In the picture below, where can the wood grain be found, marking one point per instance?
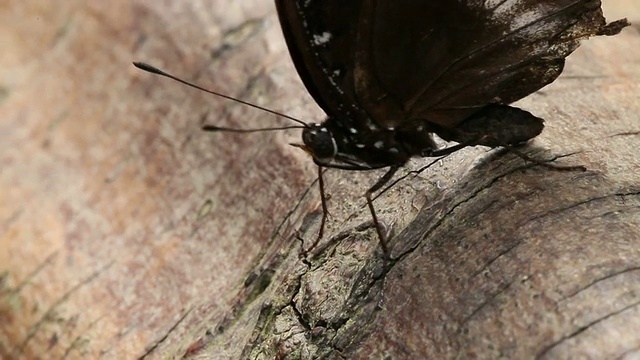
(126, 232)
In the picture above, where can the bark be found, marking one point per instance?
(126, 232)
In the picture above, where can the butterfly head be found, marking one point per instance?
(319, 142)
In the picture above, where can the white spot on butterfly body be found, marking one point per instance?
(353, 130)
(378, 144)
(360, 146)
(321, 39)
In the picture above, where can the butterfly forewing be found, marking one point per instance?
(321, 38)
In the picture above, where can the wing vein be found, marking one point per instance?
(466, 56)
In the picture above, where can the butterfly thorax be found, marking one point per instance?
(334, 144)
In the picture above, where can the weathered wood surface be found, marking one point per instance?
(126, 232)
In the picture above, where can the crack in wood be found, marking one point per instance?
(446, 215)
(485, 303)
(599, 280)
(33, 330)
(582, 329)
(163, 338)
(79, 340)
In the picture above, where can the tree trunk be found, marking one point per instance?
(126, 232)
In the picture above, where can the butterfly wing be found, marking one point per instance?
(437, 60)
(441, 61)
(321, 39)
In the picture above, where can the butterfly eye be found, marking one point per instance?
(319, 142)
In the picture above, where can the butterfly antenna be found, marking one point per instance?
(154, 70)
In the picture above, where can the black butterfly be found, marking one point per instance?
(391, 73)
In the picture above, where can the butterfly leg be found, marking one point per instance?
(325, 212)
(525, 157)
(445, 151)
(368, 195)
(501, 125)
